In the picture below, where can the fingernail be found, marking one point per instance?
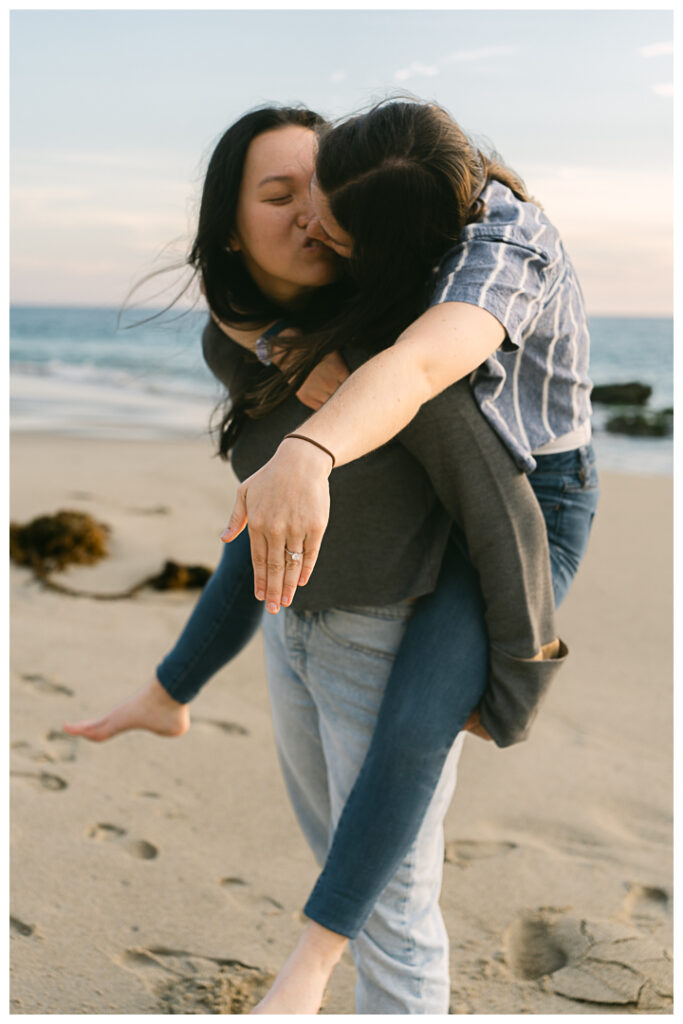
(286, 601)
(272, 608)
(260, 595)
(226, 535)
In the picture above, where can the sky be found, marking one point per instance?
(113, 115)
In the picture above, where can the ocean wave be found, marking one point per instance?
(178, 384)
(71, 404)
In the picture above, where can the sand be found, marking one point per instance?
(166, 876)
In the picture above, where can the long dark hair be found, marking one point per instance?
(403, 179)
(229, 288)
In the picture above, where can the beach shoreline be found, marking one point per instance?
(146, 871)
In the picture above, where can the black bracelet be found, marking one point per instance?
(302, 437)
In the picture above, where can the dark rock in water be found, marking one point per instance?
(658, 423)
(180, 577)
(54, 541)
(621, 394)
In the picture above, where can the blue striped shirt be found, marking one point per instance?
(535, 387)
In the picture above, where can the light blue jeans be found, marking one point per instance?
(327, 672)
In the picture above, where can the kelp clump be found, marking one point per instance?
(52, 542)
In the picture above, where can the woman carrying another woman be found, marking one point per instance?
(446, 687)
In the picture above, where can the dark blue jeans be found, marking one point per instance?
(566, 486)
(437, 679)
(223, 622)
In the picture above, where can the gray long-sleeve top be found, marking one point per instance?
(390, 515)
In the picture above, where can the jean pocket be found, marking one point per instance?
(564, 473)
(584, 478)
(371, 631)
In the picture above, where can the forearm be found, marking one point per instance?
(383, 395)
(373, 405)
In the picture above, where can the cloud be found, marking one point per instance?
(416, 70)
(663, 89)
(419, 70)
(338, 76)
(657, 50)
(483, 53)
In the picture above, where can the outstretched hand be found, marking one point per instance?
(286, 506)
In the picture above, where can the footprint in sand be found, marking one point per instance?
(153, 510)
(58, 747)
(645, 905)
(600, 962)
(230, 727)
(42, 780)
(241, 892)
(42, 684)
(105, 832)
(19, 927)
(462, 852)
(185, 982)
(565, 839)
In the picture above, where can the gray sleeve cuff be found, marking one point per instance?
(514, 693)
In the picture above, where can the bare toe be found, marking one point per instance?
(92, 729)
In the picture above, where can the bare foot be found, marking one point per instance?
(300, 985)
(150, 708)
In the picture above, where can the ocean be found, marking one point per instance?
(81, 372)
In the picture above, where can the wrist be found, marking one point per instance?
(308, 453)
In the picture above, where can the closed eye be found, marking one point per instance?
(278, 199)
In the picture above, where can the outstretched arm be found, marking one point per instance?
(288, 499)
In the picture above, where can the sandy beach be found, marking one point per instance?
(167, 876)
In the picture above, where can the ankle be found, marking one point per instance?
(161, 695)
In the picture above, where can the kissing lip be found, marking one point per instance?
(317, 246)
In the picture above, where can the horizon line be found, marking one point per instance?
(190, 309)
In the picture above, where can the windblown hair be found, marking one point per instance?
(403, 180)
(229, 288)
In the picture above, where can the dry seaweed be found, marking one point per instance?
(49, 543)
(53, 542)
